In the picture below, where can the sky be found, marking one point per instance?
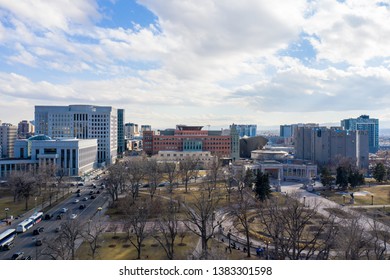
(204, 62)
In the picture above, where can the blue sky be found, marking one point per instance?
(204, 62)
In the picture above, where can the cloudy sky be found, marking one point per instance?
(204, 62)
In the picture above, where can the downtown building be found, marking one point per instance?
(82, 122)
(8, 135)
(324, 145)
(246, 130)
(193, 139)
(368, 124)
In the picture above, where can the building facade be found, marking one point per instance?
(25, 129)
(8, 135)
(368, 124)
(82, 122)
(326, 145)
(131, 130)
(188, 138)
(249, 130)
(121, 133)
(73, 157)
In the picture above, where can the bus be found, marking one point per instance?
(37, 217)
(7, 237)
(25, 225)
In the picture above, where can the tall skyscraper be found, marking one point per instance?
(82, 122)
(8, 133)
(249, 130)
(121, 134)
(364, 122)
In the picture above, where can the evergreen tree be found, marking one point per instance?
(249, 178)
(342, 177)
(326, 178)
(379, 172)
(355, 178)
(263, 188)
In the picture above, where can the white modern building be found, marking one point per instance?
(81, 122)
(73, 157)
(203, 157)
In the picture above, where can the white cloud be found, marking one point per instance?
(350, 31)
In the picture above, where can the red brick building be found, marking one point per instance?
(187, 138)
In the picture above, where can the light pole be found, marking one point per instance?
(304, 201)
(229, 236)
(6, 213)
(372, 199)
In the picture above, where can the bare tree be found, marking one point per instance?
(290, 227)
(154, 175)
(187, 170)
(379, 240)
(135, 224)
(64, 245)
(241, 210)
(116, 180)
(214, 172)
(136, 170)
(166, 227)
(200, 217)
(23, 185)
(171, 169)
(93, 234)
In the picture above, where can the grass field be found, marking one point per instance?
(116, 247)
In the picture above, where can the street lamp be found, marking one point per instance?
(372, 199)
(304, 201)
(6, 213)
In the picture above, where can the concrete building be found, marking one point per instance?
(82, 122)
(204, 157)
(121, 134)
(131, 131)
(8, 135)
(145, 127)
(364, 122)
(25, 129)
(326, 145)
(72, 156)
(249, 130)
(188, 138)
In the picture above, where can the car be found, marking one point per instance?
(93, 197)
(80, 184)
(35, 232)
(97, 191)
(78, 191)
(100, 209)
(91, 192)
(48, 216)
(85, 198)
(8, 246)
(82, 206)
(59, 216)
(38, 242)
(76, 201)
(64, 210)
(93, 185)
(103, 187)
(17, 256)
(27, 258)
(78, 194)
(58, 229)
(73, 216)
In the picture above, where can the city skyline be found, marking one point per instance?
(198, 63)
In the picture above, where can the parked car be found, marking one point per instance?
(35, 232)
(64, 210)
(17, 256)
(82, 206)
(76, 201)
(80, 184)
(85, 198)
(8, 246)
(59, 216)
(78, 194)
(93, 197)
